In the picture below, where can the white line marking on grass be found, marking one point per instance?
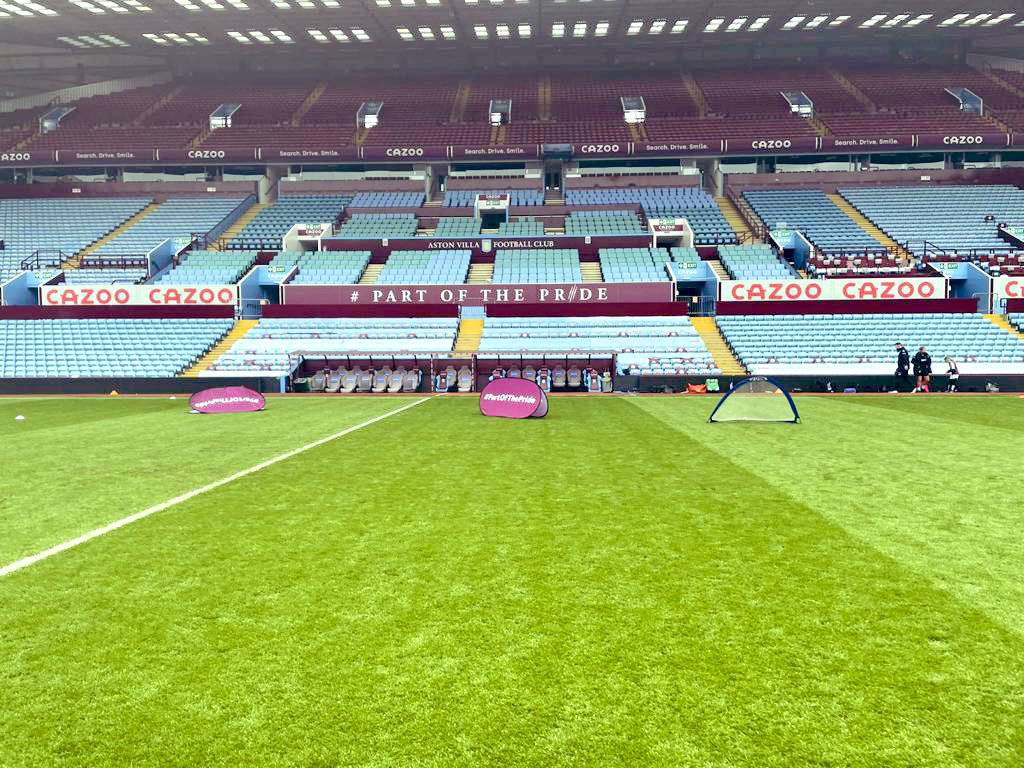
(25, 562)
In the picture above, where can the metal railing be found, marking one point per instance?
(45, 258)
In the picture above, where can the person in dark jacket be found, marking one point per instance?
(902, 368)
(922, 363)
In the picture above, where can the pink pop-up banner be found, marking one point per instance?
(509, 398)
(227, 400)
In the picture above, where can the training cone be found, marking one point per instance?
(114, 393)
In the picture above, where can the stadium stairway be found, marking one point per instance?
(74, 261)
(695, 93)
(590, 271)
(235, 229)
(204, 134)
(470, 331)
(735, 219)
(241, 328)
(862, 221)
(480, 274)
(159, 104)
(458, 112)
(854, 91)
(371, 274)
(723, 356)
(26, 141)
(544, 100)
(1000, 321)
(718, 269)
(819, 126)
(1001, 82)
(995, 121)
(311, 100)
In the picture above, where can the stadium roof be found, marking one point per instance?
(396, 33)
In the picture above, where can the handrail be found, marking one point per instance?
(35, 260)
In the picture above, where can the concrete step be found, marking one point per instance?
(1003, 322)
(371, 274)
(718, 269)
(236, 229)
(470, 331)
(862, 221)
(480, 274)
(239, 330)
(735, 219)
(721, 353)
(590, 271)
(128, 224)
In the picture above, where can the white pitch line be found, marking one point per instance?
(25, 562)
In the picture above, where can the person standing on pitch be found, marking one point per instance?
(902, 367)
(922, 362)
(953, 373)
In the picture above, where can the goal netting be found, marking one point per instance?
(757, 398)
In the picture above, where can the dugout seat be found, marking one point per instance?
(411, 380)
(319, 382)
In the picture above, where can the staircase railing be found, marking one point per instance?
(45, 258)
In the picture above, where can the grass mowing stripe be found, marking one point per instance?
(109, 458)
(931, 499)
(25, 562)
(984, 411)
(592, 589)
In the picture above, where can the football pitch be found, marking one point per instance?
(619, 584)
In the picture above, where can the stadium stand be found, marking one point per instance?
(820, 266)
(655, 200)
(950, 218)
(695, 205)
(387, 200)
(263, 102)
(1001, 263)
(58, 225)
(425, 268)
(209, 268)
(603, 223)
(175, 217)
(272, 346)
(557, 265)
(460, 198)
(105, 348)
(652, 345)
(90, 273)
(816, 217)
(712, 129)
(330, 267)
(271, 224)
(456, 226)
(739, 93)
(375, 226)
(634, 265)
(922, 87)
(523, 227)
(754, 262)
(863, 344)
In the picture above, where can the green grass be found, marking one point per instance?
(620, 584)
